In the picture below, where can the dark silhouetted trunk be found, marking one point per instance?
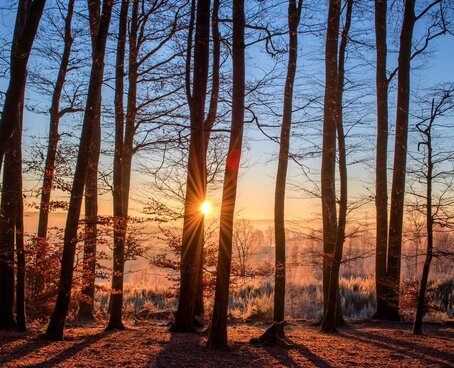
(196, 177)
(28, 16)
(331, 116)
(400, 163)
(121, 182)
(294, 14)
(86, 309)
(218, 329)
(199, 308)
(21, 324)
(49, 168)
(381, 180)
(333, 315)
(417, 327)
(57, 321)
(12, 187)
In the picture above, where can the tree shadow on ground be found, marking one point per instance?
(189, 350)
(281, 354)
(402, 347)
(35, 344)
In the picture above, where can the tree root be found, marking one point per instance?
(273, 336)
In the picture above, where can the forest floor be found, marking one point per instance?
(147, 344)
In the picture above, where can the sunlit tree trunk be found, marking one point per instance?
(54, 137)
(381, 180)
(333, 314)
(217, 336)
(57, 321)
(115, 320)
(28, 16)
(400, 162)
(196, 177)
(294, 14)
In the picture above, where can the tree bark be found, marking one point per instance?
(331, 115)
(218, 328)
(12, 190)
(294, 14)
(123, 156)
(400, 162)
(196, 177)
(54, 137)
(333, 315)
(28, 16)
(199, 308)
(57, 321)
(381, 181)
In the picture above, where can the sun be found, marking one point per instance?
(205, 208)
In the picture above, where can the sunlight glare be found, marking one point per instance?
(205, 208)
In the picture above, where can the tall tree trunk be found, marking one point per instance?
(49, 168)
(333, 315)
(196, 181)
(294, 14)
(86, 309)
(115, 318)
(381, 180)
(331, 115)
(199, 308)
(400, 162)
(12, 180)
(218, 329)
(57, 321)
(28, 16)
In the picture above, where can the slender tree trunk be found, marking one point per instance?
(417, 327)
(400, 162)
(381, 181)
(196, 182)
(294, 14)
(57, 321)
(115, 320)
(199, 308)
(218, 329)
(49, 169)
(86, 310)
(333, 315)
(28, 16)
(331, 115)
(19, 222)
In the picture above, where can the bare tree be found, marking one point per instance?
(196, 175)
(435, 213)
(218, 328)
(57, 322)
(294, 15)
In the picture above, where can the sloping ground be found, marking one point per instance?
(151, 345)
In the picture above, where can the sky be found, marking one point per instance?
(257, 176)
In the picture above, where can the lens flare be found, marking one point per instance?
(205, 208)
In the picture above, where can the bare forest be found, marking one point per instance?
(218, 183)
